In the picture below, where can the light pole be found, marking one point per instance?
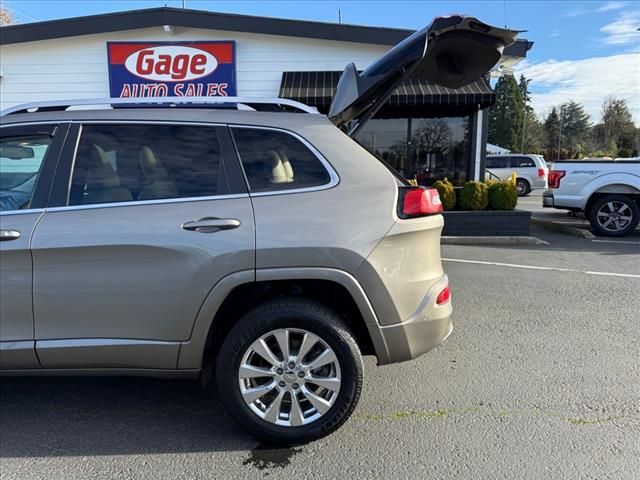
(560, 131)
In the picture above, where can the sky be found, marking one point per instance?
(583, 50)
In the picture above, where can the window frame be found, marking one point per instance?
(44, 183)
(235, 185)
(334, 179)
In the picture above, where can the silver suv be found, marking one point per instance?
(265, 248)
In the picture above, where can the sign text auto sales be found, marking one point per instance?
(171, 69)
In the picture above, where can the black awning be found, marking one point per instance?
(317, 89)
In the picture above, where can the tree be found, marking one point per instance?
(532, 133)
(5, 16)
(551, 129)
(507, 114)
(575, 128)
(618, 132)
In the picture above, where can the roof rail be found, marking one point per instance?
(246, 102)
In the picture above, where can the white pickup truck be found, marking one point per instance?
(607, 191)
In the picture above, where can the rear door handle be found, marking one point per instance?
(9, 235)
(211, 224)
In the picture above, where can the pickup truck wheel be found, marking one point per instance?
(522, 187)
(289, 371)
(614, 215)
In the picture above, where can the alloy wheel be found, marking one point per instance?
(289, 377)
(614, 216)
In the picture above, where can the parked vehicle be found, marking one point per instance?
(265, 246)
(531, 170)
(607, 191)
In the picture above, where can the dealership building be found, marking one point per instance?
(424, 129)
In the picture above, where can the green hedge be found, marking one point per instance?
(474, 196)
(502, 196)
(446, 192)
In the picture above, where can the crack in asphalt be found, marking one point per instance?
(491, 412)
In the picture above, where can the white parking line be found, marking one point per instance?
(535, 267)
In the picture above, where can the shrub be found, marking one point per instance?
(502, 196)
(446, 192)
(474, 196)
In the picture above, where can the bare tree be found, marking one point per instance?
(5, 16)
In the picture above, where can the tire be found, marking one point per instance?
(296, 316)
(522, 187)
(614, 215)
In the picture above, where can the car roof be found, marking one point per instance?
(285, 120)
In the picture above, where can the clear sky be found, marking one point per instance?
(584, 50)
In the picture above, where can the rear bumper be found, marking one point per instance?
(539, 183)
(425, 330)
(547, 199)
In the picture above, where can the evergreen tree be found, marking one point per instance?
(575, 128)
(618, 129)
(506, 115)
(551, 129)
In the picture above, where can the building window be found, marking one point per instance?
(425, 149)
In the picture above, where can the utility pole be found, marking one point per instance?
(524, 126)
(560, 131)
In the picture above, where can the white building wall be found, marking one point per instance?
(76, 67)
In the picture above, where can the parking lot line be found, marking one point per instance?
(535, 267)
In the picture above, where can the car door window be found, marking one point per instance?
(522, 162)
(496, 162)
(21, 158)
(124, 163)
(274, 161)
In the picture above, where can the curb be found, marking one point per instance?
(560, 228)
(497, 240)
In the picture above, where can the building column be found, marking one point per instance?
(479, 132)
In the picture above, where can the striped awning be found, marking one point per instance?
(317, 89)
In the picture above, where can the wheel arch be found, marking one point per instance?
(237, 293)
(612, 189)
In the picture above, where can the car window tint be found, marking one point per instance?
(20, 161)
(497, 162)
(123, 163)
(275, 161)
(522, 162)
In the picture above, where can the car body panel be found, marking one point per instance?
(78, 271)
(452, 51)
(583, 179)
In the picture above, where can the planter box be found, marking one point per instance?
(484, 223)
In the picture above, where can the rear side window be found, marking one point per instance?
(123, 163)
(522, 162)
(497, 162)
(21, 157)
(274, 161)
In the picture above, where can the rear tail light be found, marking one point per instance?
(554, 178)
(418, 202)
(444, 296)
(541, 172)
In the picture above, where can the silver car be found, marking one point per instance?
(531, 171)
(264, 248)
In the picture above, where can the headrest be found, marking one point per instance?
(288, 170)
(278, 174)
(101, 174)
(151, 165)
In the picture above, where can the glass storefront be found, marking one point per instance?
(426, 149)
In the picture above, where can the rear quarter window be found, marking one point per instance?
(522, 162)
(274, 161)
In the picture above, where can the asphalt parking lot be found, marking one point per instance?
(540, 379)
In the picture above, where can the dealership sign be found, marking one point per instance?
(172, 69)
